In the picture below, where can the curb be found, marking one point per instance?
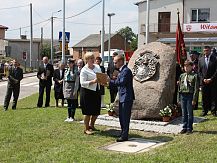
(24, 76)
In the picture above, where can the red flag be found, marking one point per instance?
(180, 44)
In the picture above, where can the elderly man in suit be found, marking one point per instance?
(58, 77)
(45, 74)
(207, 70)
(124, 82)
(14, 78)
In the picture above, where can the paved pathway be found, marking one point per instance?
(29, 86)
(174, 127)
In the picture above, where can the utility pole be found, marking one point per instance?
(52, 49)
(147, 23)
(63, 34)
(31, 37)
(20, 32)
(39, 58)
(109, 41)
(125, 43)
(103, 31)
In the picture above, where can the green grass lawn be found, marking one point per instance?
(30, 134)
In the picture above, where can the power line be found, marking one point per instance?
(38, 14)
(83, 11)
(13, 7)
(79, 23)
(28, 25)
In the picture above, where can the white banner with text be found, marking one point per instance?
(200, 27)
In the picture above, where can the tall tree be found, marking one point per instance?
(130, 36)
(46, 50)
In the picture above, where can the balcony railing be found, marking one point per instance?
(159, 27)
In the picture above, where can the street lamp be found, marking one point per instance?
(63, 32)
(109, 41)
(51, 49)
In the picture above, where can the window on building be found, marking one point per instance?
(200, 15)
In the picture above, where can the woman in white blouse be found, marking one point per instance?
(90, 93)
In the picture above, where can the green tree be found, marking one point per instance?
(134, 44)
(130, 36)
(45, 51)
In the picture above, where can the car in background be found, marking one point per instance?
(127, 56)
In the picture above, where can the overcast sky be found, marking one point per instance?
(79, 27)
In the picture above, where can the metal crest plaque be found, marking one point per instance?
(145, 66)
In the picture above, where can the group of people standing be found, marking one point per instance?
(81, 79)
(200, 74)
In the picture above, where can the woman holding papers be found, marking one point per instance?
(90, 93)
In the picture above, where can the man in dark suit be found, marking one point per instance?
(45, 74)
(14, 78)
(124, 82)
(111, 71)
(207, 69)
(58, 77)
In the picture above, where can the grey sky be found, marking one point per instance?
(79, 27)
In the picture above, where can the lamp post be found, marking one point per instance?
(109, 41)
(51, 49)
(103, 31)
(63, 33)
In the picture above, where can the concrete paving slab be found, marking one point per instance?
(133, 145)
(172, 127)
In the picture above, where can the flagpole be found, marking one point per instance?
(147, 22)
(180, 44)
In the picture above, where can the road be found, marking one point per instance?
(29, 85)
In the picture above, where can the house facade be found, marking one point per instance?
(92, 43)
(16, 48)
(3, 43)
(2, 31)
(163, 21)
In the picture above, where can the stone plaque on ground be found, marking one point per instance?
(154, 70)
(134, 145)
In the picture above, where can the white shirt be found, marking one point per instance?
(207, 60)
(87, 75)
(61, 72)
(121, 68)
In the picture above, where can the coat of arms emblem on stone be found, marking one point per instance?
(145, 66)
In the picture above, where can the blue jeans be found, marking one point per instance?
(187, 110)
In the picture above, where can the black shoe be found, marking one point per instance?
(13, 108)
(5, 108)
(183, 131)
(189, 132)
(47, 106)
(39, 106)
(203, 114)
(121, 139)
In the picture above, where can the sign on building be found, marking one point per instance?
(24, 55)
(200, 27)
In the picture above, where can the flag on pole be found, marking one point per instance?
(180, 44)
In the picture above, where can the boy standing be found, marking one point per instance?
(187, 96)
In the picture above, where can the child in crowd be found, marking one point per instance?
(187, 96)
